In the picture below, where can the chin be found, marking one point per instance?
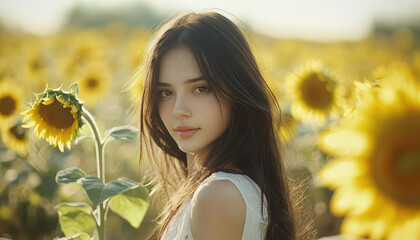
(190, 149)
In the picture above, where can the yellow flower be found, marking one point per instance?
(35, 68)
(10, 103)
(394, 70)
(94, 84)
(56, 116)
(16, 138)
(316, 93)
(376, 172)
(355, 96)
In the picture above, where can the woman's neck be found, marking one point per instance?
(194, 164)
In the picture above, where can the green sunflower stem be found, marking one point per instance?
(100, 164)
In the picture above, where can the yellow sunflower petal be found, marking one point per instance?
(406, 230)
(29, 124)
(340, 172)
(61, 146)
(351, 200)
(316, 93)
(352, 226)
(15, 138)
(56, 119)
(27, 111)
(344, 141)
(68, 145)
(42, 133)
(47, 100)
(377, 173)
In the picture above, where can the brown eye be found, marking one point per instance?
(201, 89)
(164, 93)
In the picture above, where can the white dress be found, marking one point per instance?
(255, 223)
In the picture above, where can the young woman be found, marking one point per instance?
(209, 125)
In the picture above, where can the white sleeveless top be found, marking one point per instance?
(255, 224)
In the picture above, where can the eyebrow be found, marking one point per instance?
(192, 80)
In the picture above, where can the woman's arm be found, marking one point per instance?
(218, 212)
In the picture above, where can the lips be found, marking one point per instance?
(186, 131)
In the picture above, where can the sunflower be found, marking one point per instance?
(16, 138)
(10, 103)
(56, 116)
(35, 69)
(315, 91)
(94, 84)
(395, 70)
(376, 172)
(355, 96)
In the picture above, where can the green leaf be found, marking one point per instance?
(69, 175)
(51, 94)
(122, 132)
(99, 192)
(76, 218)
(131, 205)
(77, 236)
(38, 96)
(74, 89)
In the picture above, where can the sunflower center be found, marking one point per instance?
(36, 65)
(316, 91)
(56, 115)
(92, 82)
(396, 161)
(7, 105)
(408, 163)
(18, 132)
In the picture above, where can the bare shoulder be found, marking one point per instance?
(218, 211)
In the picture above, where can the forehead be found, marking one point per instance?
(178, 64)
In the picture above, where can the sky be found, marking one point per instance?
(319, 20)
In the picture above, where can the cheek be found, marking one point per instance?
(165, 112)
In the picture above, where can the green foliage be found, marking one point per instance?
(74, 89)
(76, 218)
(122, 132)
(130, 200)
(99, 192)
(131, 205)
(78, 236)
(69, 175)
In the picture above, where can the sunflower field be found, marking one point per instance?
(351, 126)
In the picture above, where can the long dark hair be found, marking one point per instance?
(250, 142)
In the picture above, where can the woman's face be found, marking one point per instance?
(187, 106)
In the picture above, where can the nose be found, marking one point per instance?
(181, 108)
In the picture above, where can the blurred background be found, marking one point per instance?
(338, 49)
